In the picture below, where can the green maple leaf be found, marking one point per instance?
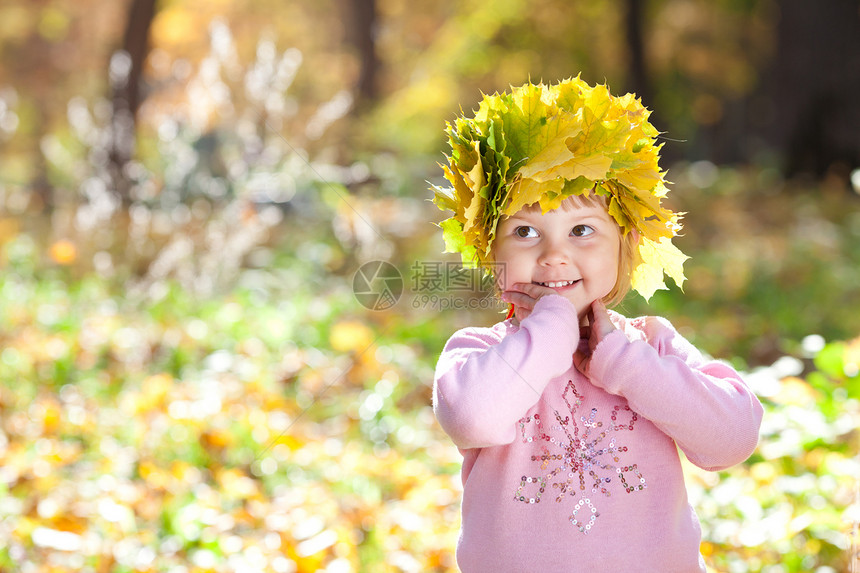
(452, 233)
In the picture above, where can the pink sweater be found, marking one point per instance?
(567, 473)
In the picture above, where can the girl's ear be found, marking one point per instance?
(636, 235)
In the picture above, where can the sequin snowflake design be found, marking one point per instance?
(579, 457)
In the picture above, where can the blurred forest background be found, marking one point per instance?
(188, 381)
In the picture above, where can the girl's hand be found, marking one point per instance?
(524, 296)
(599, 327)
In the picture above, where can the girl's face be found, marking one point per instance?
(573, 250)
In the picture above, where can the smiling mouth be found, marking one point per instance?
(557, 284)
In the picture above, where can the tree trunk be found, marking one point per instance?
(808, 112)
(360, 30)
(638, 70)
(126, 70)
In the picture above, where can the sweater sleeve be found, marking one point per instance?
(703, 405)
(485, 383)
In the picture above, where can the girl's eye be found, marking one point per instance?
(581, 231)
(525, 232)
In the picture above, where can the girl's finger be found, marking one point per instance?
(584, 332)
(516, 287)
(600, 321)
(518, 299)
(535, 291)
(522, 313)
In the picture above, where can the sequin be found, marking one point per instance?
(533, 497)
(583, 451)
(582, 526)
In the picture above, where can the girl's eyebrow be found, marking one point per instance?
(517, 218)
(532, 217)
(593, 217)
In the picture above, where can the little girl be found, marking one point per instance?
(569, 417)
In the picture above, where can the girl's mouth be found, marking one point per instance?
(557, 284)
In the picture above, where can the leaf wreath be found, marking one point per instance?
(542, 144)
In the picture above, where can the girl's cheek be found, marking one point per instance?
(499, 278)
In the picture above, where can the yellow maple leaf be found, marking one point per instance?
(656, 258)
(552, 200)
(475, 181)
(528, 191)
(594, 167)
(602, 131)
(544, 166)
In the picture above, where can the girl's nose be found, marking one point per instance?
(554, 253)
